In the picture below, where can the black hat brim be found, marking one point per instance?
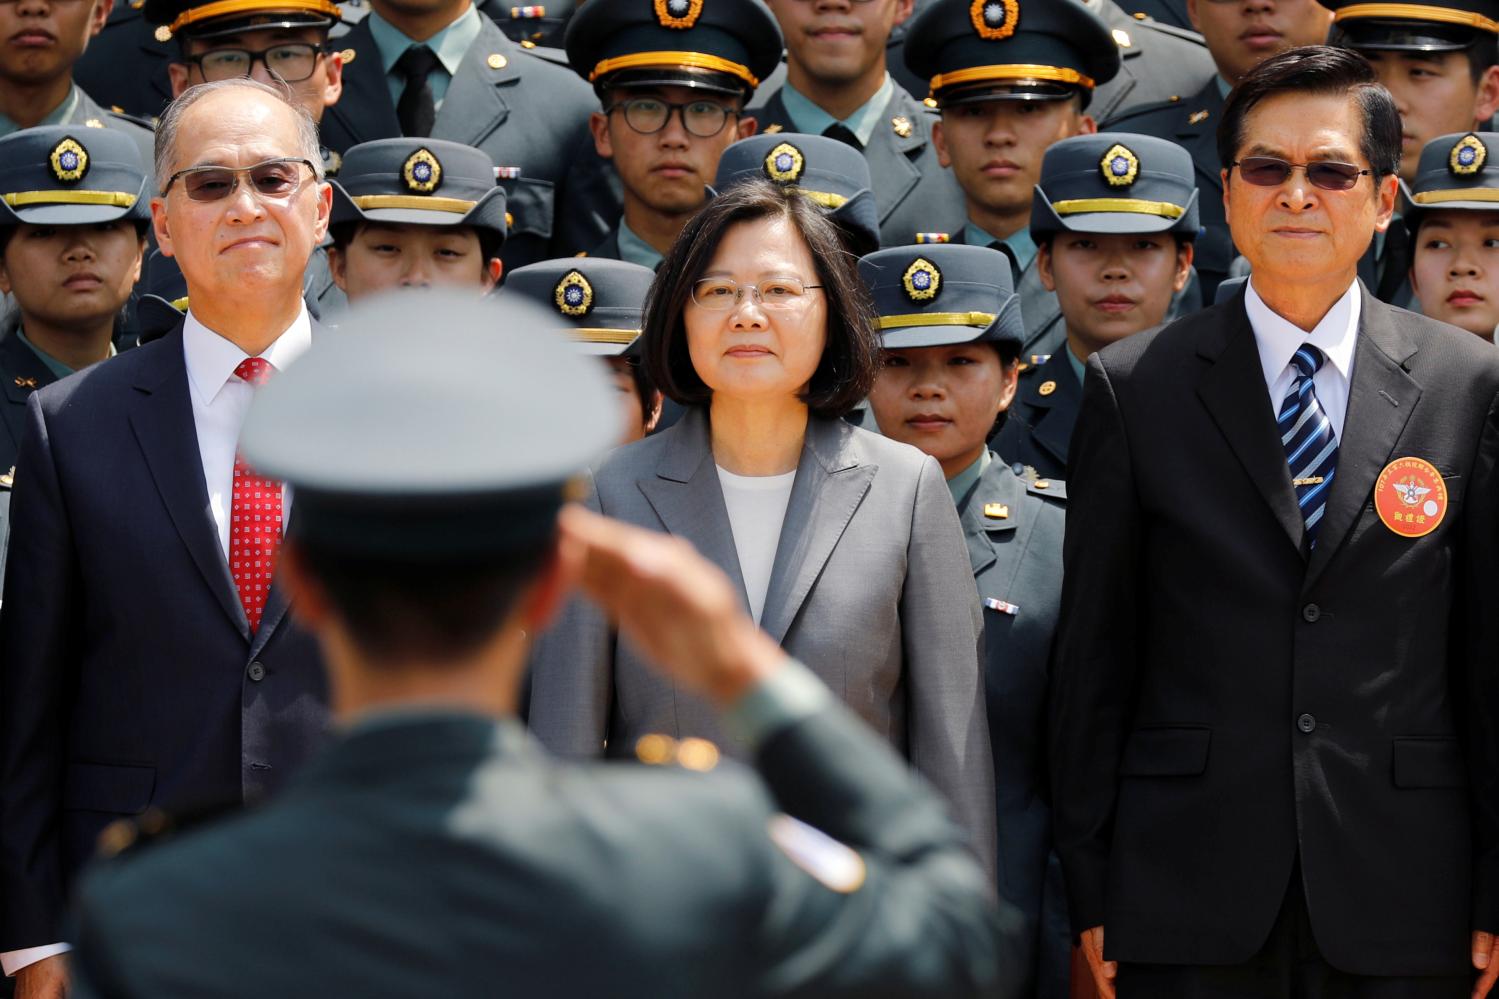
(488, 213)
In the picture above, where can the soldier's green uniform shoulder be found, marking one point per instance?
(1050, 489)
(1171, 30)
(116, 114)
(1131, 119)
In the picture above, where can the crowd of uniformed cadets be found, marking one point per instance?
(1024, 181)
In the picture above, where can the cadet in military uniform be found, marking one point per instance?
(837, 85)
(36, 78)
(1158, 62)
(673, 79)
(72, 236)
(1114, 221)
(446, 71)
(951, 327)
(1172, 12)
(425, 548)
(532, 24)
(1240, 36)
(1010, 81)
(415, 213)
(831, 173)
(599, 303)
(1454, 225)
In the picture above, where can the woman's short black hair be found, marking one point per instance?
(343, 233)
(1318, 69)
(851, 357)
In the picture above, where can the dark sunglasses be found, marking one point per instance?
(1271, 171)
(278, 178)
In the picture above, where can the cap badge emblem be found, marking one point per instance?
(69, 161)
(784, 164)
(1120, 166)
(922, 280)
(679, 14)
(573, 295)
(1468, 156)
(422, 172)
(995, 20)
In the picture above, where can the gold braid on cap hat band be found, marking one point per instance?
(1164, 209)
(374, 201)
(223, 8)
(674, 60)
(111, 199)
(1014, 72)
(1417, 12)
(938, 319)
(1443, 197)
(596, 334)
(826, 199)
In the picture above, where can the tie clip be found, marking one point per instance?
(1315, 480)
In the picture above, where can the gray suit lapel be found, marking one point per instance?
(473, 107)
(1381, 398)
(830, 484)
(686, 495)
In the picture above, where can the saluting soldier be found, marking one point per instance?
(444, 70)
(672, 78)
(1159, 61)
(425, 548)
(598, 304)
(1240, 36)
(951, 330)
(1114, 221)
(415, 213)
(1010, 80)
(838, 85)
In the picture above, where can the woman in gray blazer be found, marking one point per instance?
(845, 546)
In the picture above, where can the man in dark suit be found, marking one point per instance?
(456, 858)
(445, 70)
(149, 655)
(1240, 36)
(837, 85)
(1275, 726)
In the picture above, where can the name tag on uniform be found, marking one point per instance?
(1001, 606)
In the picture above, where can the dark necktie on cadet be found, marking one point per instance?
(1307, 435)
(417, 109)
(1004, 248)
(254, 518)
(841, 132)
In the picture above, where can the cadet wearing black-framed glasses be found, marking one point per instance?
(649, 115)
(292, 62)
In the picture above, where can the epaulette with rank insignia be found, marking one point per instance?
(123, 115)
(1052, 489)
(1132, 115)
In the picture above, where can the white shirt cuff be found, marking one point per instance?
(14, 960)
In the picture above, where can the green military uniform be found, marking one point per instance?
(439, 851)
(1109, 183)
(1158, 61)
(934, 296)
(125, 66)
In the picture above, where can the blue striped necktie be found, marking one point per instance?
(1307, 435)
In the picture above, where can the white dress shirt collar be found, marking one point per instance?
(211, 358)
(1278, 340)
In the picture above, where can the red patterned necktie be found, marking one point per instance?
(254, 518)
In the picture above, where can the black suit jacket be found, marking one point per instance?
(130, 677)
(1224, 702)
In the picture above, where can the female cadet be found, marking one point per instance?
(845, 546)
(598, 303)
(1454, 226)
(952, 334)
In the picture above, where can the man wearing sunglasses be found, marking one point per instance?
(1275, 726)
(672, 80)
(150, 657)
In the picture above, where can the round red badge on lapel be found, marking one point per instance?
(1410, 497)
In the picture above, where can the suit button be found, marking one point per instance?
(257, 672)
(1310, 613)
(1307, 724)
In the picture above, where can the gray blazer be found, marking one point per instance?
(871, 589)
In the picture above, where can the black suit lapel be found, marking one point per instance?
(1380, 401)
(161, 414)
(1233, 390)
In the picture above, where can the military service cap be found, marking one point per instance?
(68, 175)
(936, 296)
(1457, 172)
(984, 50)
(833, 174)
(163, 297)
(1445, 26)
(417, 181)
(1115, 182)
(598, 302)
(497, 417)
(716, 45)
(211, 18)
